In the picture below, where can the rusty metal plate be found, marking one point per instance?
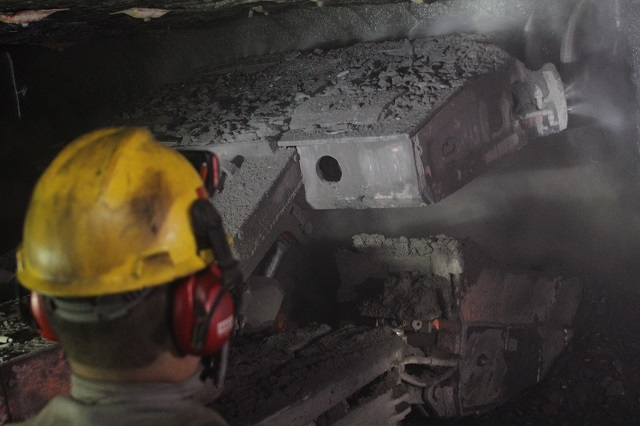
(30, 381)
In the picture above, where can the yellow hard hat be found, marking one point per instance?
(111, 214)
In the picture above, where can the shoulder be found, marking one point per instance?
(195, 415)
(66, 411)
(56, 412)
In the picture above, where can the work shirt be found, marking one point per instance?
(104, 403)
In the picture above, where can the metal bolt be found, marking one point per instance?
(307, 228)
(482, 360)
(416, 325)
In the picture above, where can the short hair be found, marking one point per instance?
(132, 341)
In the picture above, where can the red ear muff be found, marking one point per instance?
(40, 316)
(203, 313)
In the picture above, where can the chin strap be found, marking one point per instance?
(215, 366)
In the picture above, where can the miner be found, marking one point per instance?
(130, 270)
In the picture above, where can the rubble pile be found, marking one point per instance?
(17, 337)
(374, 256)
(292, 378)
(254, 99)
(406, 296)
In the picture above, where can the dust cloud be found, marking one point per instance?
(569, 202)
(482, 17)
(541, 208)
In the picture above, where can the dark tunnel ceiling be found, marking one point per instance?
(80, 20)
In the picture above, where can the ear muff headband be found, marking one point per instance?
(203, 314)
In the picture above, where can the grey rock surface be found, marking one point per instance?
(370, 89)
